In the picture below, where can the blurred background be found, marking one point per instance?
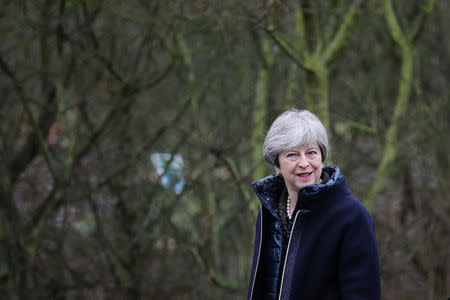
(132, 130)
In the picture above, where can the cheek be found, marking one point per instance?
(319, 170)
(318, 166)
(285, 165)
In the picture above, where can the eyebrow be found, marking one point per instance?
(313, 147)
(307, 147)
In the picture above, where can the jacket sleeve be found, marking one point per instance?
(255, 255)
(358, 267)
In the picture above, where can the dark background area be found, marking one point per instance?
(90, 89)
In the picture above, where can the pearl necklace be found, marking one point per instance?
(288, 207)
(288, 204)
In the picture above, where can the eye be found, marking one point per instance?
(291, 156)
(312, 153)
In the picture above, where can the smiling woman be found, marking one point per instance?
(314, 239)
(299, 166)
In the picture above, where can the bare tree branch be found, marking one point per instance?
(20, 163)
(342, 34)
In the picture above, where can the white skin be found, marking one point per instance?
(300, 166)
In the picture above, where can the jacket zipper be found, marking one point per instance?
(287, 254)
(259, 253)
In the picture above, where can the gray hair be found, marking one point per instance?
(291, 129)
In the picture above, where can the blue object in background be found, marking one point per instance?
(170, 170)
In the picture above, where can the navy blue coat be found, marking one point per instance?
(332, 250)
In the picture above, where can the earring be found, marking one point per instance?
(278, 172)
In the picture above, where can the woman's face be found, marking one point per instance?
(300, 166)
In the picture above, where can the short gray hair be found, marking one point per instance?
(291, 129)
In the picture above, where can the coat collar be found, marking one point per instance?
(268, 189)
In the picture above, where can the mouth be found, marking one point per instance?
(304, 174)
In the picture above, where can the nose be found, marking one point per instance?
(303, 162)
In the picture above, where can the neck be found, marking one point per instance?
(293, 196)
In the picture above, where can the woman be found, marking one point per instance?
(314, 239)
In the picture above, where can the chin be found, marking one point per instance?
(305, 184)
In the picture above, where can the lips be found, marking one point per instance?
(304, 174)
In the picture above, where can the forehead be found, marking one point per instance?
(302, 147)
